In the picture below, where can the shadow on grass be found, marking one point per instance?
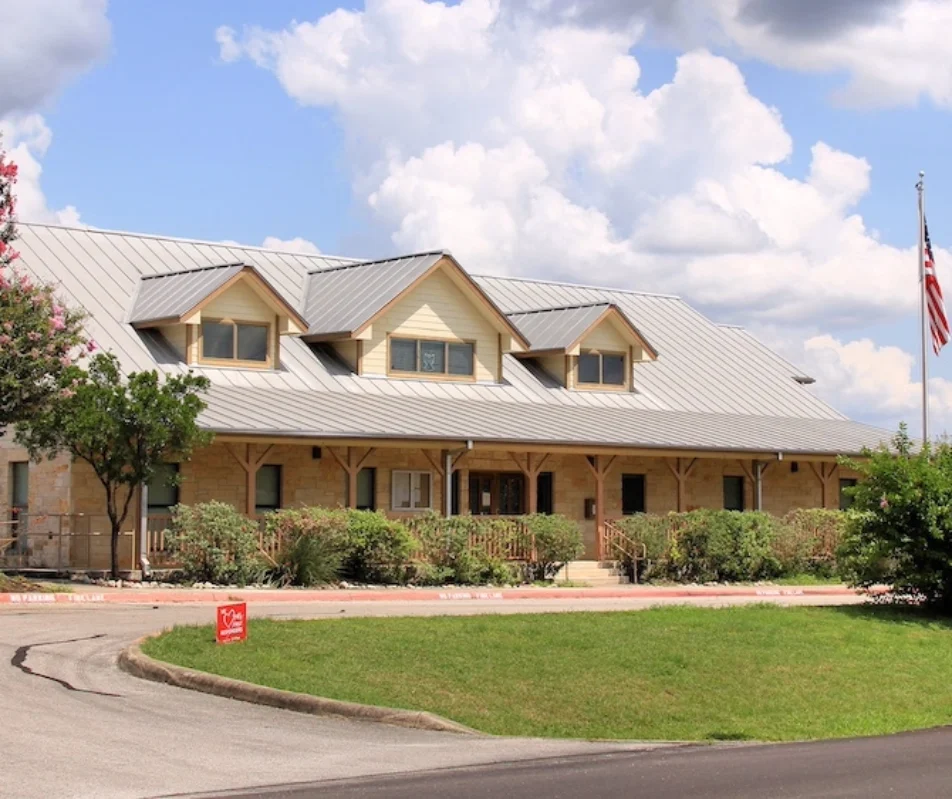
(895, 612)
(728, 736)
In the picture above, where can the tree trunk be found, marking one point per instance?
(114, 550)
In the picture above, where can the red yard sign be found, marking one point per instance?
(232, 623)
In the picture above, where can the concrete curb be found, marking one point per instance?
(145, 596)
(135, 662)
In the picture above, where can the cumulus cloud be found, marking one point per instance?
(26, 140)
(291, 245)
(517, 136)
(46, 43)
(878, 383)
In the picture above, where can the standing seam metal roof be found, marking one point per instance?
(176, 293)
(557, 328)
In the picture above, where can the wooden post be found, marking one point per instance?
(251, 465)
(351, 465)
(531, 469)
(599, 467)
(681, 469)
(825, 475)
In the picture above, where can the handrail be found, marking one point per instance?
(616, 541)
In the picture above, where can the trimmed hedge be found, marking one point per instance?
(725, 546)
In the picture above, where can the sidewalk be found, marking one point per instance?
(85, 594)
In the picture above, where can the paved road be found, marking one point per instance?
(73, 725)
(912, 766)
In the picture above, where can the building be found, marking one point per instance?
(408, 384)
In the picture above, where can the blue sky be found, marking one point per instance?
(161, 133)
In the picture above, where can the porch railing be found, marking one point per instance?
(616, 545)
(160, 549)
(499, 537)
(62, 542)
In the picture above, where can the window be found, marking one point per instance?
(632, 494)
(545, 493)
(367, 489)
(601, 369)
(235, 341)
(846, 496)
(497, 494)
(163, 495)
(410, 491)
(420, 356)
(19, 487)
(733, 493)
(268, 489)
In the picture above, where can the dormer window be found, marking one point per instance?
(607, 369)
(228, 341)
(429, 357)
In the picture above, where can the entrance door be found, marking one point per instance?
(496, 494)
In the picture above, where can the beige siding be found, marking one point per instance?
(555, 366)
(175, 335)
(239, 303)
(347, 352)
(436, 309)
(605, 338)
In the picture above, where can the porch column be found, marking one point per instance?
(755, 473)
(250, 464)
(681, 468)
(599, 466)
(445, 466)
(825, 474)
(351, 464)
(531, 468)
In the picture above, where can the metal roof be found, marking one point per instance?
(557, 328)
(344, 298)
(176, 293)
(710, 382)
(321, 415)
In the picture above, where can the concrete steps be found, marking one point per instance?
(592, 572)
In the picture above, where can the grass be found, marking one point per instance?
(807, 579)
(20, 585)
(756, 672)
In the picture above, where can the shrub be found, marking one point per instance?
(377, 549)
(468, 550)
(711, 545)
(216, 543)
(807, 541)
(656, 535)
(310, 543)
(900, 529)
(557, 541)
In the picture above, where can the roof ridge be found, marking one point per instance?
(572, 307)
(159, 237)
(196, 269)
(519, 279)
(378, 261)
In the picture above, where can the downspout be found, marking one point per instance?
(759, 485)
(144, 531)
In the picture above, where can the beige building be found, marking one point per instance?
(408, 385)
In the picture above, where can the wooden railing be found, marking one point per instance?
(499, 537)
(161, 552)
(616, 545)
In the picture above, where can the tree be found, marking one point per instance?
(40, 339)
(899, 530)
(123, 428)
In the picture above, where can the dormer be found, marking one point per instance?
(227, 315)
(414, 317)
(585, 347)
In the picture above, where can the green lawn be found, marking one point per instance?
(757, 672)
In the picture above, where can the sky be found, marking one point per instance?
(756, 157)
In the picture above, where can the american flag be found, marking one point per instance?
(938, 321)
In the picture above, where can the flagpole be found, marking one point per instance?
(920, 187)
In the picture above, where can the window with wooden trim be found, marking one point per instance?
(163, 490)
(223, 340)
(847, 484)
(19, 488)
(411, 490)
(367, 489)
(602, 368)
(268, 489)
(432, 357)
(632, 494)
(733, 493)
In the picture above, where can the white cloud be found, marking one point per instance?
(296, 244)
(26, 139)
(878, 383)
(46, 43)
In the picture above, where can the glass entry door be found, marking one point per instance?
(496, 494)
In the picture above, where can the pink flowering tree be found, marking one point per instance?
(40, 338)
